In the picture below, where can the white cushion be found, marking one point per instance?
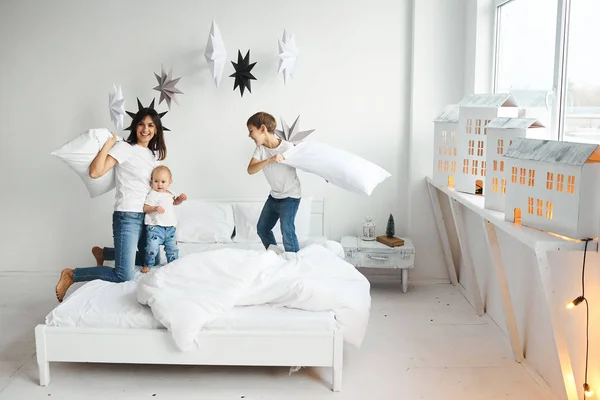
(79, 154)
(204, 222)
(339, 167)
(246, 216)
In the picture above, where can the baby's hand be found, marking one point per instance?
(159, 209)
(180, 199)
(277, 158)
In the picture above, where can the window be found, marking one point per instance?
(453, 167)
(452, 136)
(540, 208)
(502, 166)
(495, 185)
(483, 164)
(466, 166)
(500, 146)
(455, 152)
(474, 168)
(549, 180)
(556, 38)
(480, 148)
(503, 186)
(549, 209)
(560, 180)
(487, 121)
(478, 127)
(571, 184)
(445, 151)
(471, 147)
(530, 205)
(447, 166)
(532, 177)
(439, 165)
(514, 174)
(495, 165)
(469, 126)
(523, 179)
(444, 134)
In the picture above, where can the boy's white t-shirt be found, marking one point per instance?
(165, 200)
(282, 178)
(132, 175)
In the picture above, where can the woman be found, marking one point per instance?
(133, 160)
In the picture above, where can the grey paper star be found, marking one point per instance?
(116, 106)
(292, 134)
(166, 87)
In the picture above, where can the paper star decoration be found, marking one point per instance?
(242, 73)
(288, 54)
(166, 87)
(291, 134)
(140, 108)
(215, 54)
(116, 106)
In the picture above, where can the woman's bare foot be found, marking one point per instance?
(64, 282)
(145, 270)
(98, 255)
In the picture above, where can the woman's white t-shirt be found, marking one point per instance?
(282, 178)
(132, 175)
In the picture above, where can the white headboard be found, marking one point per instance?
(317, 215)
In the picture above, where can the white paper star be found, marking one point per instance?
(215, 54)
(116, 106)
(166, 87)
(288, 54)
(291, 134)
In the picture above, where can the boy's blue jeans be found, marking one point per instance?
(285, 211)
(128, 229)
(157, 235)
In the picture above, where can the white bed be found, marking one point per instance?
(117, 329)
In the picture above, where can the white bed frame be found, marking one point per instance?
(318, 348)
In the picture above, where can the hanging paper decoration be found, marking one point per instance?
(166, 87)
(242, 73)
(288, 55)
(140, 108)
(116, 107)
(292, 134)
(215, 54)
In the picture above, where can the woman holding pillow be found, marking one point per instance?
(133, 161)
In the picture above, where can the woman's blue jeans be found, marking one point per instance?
(128, 229)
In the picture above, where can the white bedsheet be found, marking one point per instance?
(197, 289)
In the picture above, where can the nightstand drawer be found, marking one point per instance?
(372, 259)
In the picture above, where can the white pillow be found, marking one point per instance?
(339, 167)
(204, 222)
(79, 154)
(246, 217)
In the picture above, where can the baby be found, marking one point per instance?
(160, 218)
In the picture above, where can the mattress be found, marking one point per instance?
(100, 304)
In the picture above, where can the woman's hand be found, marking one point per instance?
(179, 199)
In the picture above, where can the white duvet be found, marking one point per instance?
(194, 290)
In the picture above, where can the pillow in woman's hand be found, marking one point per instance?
(79, 154)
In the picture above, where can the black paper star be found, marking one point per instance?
(140, 108)
(242, 73)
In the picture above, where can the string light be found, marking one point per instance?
(587, 390)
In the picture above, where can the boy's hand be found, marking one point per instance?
(180, 199)
(277, 158)
(159, 209)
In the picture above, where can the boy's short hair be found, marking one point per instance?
(263, 118)
(161, 168)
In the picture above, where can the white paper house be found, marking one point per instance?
(500, 134)
(444, 146)
(475, 112)
(554, 186)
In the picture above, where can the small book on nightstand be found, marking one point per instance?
(390, 241)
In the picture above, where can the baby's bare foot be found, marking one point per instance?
(98, 255)
(64, 282)
(145, 270)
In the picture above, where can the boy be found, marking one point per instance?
(284, 198)
(160, 219)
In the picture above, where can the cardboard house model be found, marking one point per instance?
(500, 134)
(475, 112)
(444, 146)
(554, 186)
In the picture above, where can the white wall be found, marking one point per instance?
(437, 80)
(60, 59)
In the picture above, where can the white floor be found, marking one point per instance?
(425, 344)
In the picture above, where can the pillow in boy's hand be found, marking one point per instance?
(337, 166)
(79, 154)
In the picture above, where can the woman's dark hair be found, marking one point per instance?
(157, 143)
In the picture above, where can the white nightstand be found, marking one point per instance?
(372, 254)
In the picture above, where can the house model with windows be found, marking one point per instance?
(501, 132)
(554, 186)
(475, 112)
(444, 146)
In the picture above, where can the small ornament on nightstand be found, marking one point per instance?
(389, 238)
(368, 229)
